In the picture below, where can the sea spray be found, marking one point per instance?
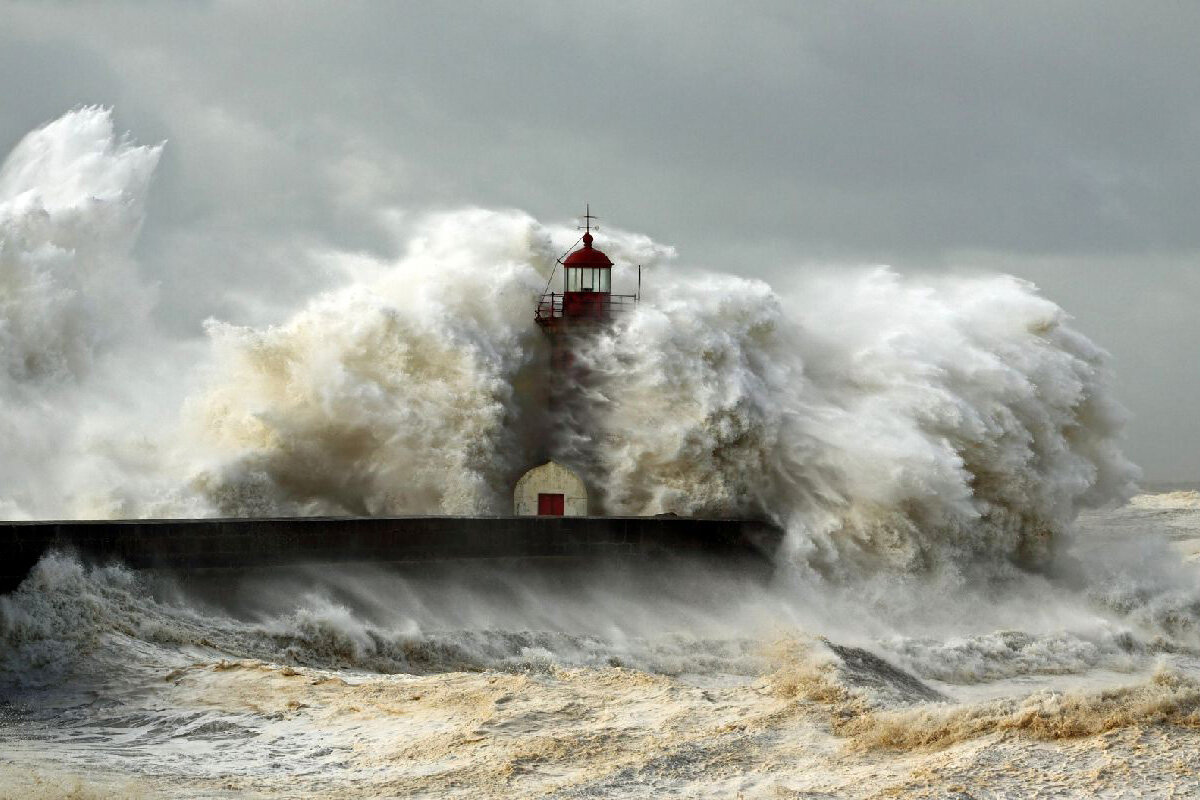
(72, 200)
(889, 422)
(885, 421)
(400, 393)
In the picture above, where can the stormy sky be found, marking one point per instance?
(1055, 141)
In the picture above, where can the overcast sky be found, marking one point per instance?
(1056, 141)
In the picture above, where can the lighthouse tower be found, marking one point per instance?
(585, 304)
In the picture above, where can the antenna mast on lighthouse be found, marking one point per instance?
(587, 218)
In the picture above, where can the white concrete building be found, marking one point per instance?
(550, 490)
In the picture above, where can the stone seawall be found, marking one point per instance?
(240, 544)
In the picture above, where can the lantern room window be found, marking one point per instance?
(589, 279)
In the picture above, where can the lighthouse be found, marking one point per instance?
(585, 304)
(586, 300)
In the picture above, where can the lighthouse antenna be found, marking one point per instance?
(587, 218)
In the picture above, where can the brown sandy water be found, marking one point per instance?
(109, 693)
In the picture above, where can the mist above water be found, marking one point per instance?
(881, 418)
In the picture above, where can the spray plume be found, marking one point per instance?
(882, 419)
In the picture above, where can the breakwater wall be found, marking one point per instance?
(239, 544)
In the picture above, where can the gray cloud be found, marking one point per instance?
(1053, 141)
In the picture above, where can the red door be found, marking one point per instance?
(550, 505)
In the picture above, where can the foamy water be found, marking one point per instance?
(368, 683)
(963, 602)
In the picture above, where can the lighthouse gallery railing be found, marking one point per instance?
(550, 306)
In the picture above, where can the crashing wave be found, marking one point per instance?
(885, 420)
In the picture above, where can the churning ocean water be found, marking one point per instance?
(1082, 679)
(972, 597)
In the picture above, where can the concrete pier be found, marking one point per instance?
(186, 546)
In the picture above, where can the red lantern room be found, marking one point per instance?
(587, 282)
(587, 296)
